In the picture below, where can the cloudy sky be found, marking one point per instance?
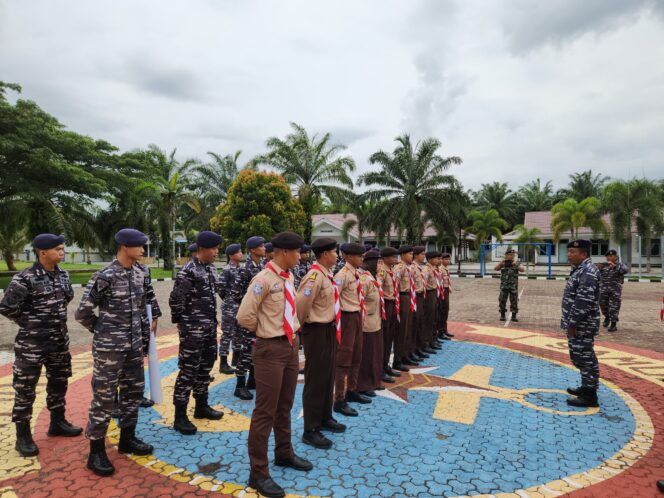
(518, 88)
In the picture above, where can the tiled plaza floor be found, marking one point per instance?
(484, 417)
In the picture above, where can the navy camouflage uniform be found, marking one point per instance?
(300, 270)
(194, 308)
(611, 280)
(151, 299)
(229, 309)
(245, 338)
(36, 300)
(580, 309)
(117, 344)
(509, 287)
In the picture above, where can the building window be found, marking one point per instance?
(542, 248)
(599, 247)
(655, 248)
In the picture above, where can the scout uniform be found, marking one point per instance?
(611, 278)
(407, 307)
(430, 303)
(387, 281)
(418, 335)
(444, 300)
(229, 308)
(269, 311)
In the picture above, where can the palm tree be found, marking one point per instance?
(311, 165)
(13, 230)
(570, 216)
(497, 196)
(534, 196)
(583, 185)
(528, 236)
(410, 183)
(487, 224)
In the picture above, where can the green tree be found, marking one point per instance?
(500, 197)
(410, 183)
(486, 224)
(258, 204)
(570, 216)
(312, 165)
(528, 236)
(534, 196)
(582, 186)
(13, 230)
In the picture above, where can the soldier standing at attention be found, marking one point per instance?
(229, 308)
(341, 262)
(269, 253)
(387, 281)
(36, 300)
(269, 310)
(580, 318)
(509, 285)
(349, 355)
(417, 345)
(407, 307)
(194, 308)
(611, 278)
(120, 292)
(303, 266)
(245, 338)
(319, 312)
(192, 249)
(444, 304)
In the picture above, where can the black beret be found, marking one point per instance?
(404, 249)
(368, 247)
(232, 249)
(388, 251)
(269, 247)
(419, 249)
(254, 242)
(192, 247)
(611, 252)
(432, 254)
(372, 254)
(446, 255)
(343, 247)
(323, 244)
(353, 249)
(305, 248)
(580, 244)
(287, 240)
(47, 241)
(208, 239)
(130, 237)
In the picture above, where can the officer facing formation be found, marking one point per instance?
(509, 285)
(580, 318)
(119, 291)
(611, 279)
(194, 309)
(36, 300)
(229, 308)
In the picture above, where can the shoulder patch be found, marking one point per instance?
(307, 291)
(257, 288)
(313, 276)
(339, 281)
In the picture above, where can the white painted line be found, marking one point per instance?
(386, 393)
(301, 414)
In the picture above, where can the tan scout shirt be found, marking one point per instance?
(401, 272)
(430, 277)
(418, 274)
(374, 319)
(315, 298)
(384, 277)
(445, 275)
(262, 307)
(347, 284)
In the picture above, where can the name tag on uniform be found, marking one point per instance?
(276, 288)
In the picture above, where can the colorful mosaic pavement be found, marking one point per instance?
(484, 417)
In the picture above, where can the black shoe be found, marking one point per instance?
(24, 443)
(514, 318)
(203, 410)
(410, 363)
(267, 487)
(300, 371)
(392, 372)
(388, 379)
(98, 461)
(587, 398)
(182, 424)
(129, 443)
(355, 397)
(241, 390)
(422, 353)
(251, 381)
(146, 403)
(448, 334)
(502, 317)
(316, 439)
(612, 327)
(400, 367)
(332, 425)
(379, 388)
(575, 391)
(345, 409)
(436, 347)
(446, 337)
(606, 322)
(294, 462)
(429, 350)
(210, 378)
(234, 359)
(60, 426)
(660, 485)
(224, 367)
(370, 394)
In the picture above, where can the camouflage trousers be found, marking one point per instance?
(245, 342)
(229, 332)
(28, 362)
(582, 354)
(196, 357)
(513, 294)
(113, 370)
(609, 302)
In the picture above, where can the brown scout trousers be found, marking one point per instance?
(390, 330)
(320, 351)
(276, 366)
(402, 339)
(349, 354)
(371, 368)
(428, 319)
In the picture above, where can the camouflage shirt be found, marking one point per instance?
(580, 307)
(193, 302)
(341, 262)
(36, 300)
(243, 278)
(509, 277)
(150, 298)
(611, 278)
(300, 271)
(226, 281)
(120, 293)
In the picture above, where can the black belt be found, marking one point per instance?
(344, 311)
(404, 293)
(420, 293)
(277, 338)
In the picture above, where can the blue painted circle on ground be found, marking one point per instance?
(397, 449)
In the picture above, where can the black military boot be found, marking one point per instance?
(241, 390)
(251, 380)
(98, 461)
(146, 403)
(502, 317)
(587, 398)
(575, 391)
(606, 322)
(59, 425)
(115, 411)
(344, 408)
(514, 318)
(129, 443)
(24, 443)
(316, 439)
(234, 359)
(224, 367)
(182, 424)
(204, 410)
(612, 327)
